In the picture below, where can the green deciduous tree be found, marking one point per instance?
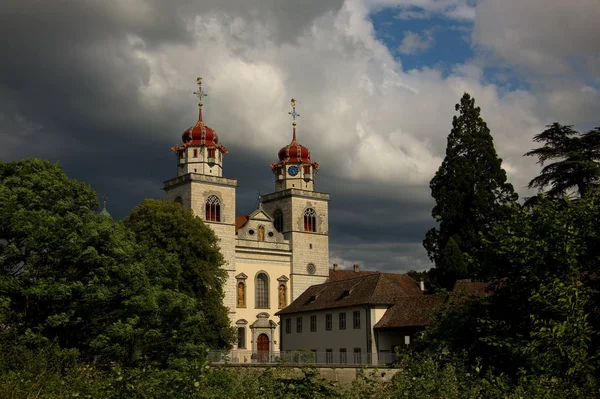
(167, 228)
(574, 160)
(88, 283)
(471, 193)
(542, 316)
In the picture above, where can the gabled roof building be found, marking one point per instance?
(360, 317)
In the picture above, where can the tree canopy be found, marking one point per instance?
(574, 160)
(80, 279)
(471, 192)
(543, 314)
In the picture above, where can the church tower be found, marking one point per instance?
(200, 186)
(300, 213)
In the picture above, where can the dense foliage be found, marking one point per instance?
(470, 192)
(79, 279)
(542, 317)
(574, 160)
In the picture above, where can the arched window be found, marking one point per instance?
(310, 220)
(278, 223)
(241, 295)
(282, 299)
(213, 209)
(262, 290)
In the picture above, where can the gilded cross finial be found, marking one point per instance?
(200, 93)
(293, 112)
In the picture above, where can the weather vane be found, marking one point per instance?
(293, 112)
(200, 93)
(104, 198)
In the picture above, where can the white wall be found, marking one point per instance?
(321, 340)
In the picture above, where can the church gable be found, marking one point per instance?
(259, 227)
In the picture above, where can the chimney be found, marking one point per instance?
(356, 268)
(335, 267)
(422, 285)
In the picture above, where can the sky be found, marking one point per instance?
(105, 88)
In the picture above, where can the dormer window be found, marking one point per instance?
(311, 299)
(345, 294)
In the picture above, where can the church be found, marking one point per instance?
(271, 255)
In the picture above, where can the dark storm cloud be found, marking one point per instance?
(70, 86)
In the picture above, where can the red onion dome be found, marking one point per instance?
(200, 134)
(294, 152)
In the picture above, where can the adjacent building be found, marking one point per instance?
(271, 255)
(357, 317)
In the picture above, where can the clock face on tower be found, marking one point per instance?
(293, 170)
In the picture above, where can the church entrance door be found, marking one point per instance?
(262, 347)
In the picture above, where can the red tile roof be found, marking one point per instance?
(370, 289)
(240, 221)
(414, 311)
(407, 283)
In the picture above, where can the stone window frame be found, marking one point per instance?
(310, 218)
(215, 200)
(266, 296)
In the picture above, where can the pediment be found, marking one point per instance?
(241, 276)
(283, 279)
(259, 214)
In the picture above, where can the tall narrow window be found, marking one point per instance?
(342, 320)
(356, 317)
(310, 220)
(343, 356)
(328, 322)
(298, 324)
(313, 323)
(213, 209)
(241, 337)
(195, 153)
(211, 152)
(357, 356)
(288, 326)
(328, 355)
(262, 290)
(278, 216)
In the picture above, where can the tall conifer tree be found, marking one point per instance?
(471, 193)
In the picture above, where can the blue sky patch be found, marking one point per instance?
(436, 42)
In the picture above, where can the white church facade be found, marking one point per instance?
(271, 255)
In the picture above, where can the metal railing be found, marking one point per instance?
(303, 357)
